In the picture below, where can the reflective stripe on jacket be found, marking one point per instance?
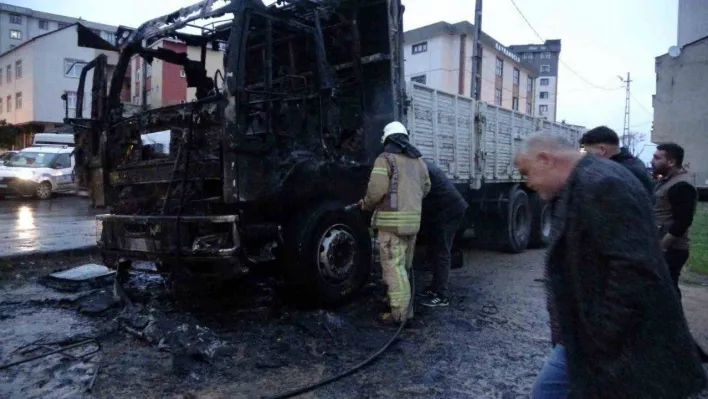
(396, 190)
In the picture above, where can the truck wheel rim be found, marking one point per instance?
(522, 223)
(337, 253)
(545, 223)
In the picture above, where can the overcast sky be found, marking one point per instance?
(600, 40)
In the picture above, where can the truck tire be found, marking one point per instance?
(327, 255)
(515, 225)
(540, 222)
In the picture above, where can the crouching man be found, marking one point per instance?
(398, 183)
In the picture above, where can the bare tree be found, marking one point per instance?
(633, 141)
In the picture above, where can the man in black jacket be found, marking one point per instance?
(604, 142)
(621, 329)
(443, 211)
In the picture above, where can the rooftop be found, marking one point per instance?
(54, 17)
(552, 45)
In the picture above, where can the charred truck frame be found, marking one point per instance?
(261, 164)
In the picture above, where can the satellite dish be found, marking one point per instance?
(674, 51)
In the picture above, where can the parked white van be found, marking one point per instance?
(41, 170)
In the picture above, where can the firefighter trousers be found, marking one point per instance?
(396, 252)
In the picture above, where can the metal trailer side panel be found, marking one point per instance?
(441, 125)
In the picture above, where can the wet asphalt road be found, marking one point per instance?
(246, 341)
(28, 225)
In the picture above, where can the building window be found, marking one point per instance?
(543, 109)
(546, 56)
(71, 103)
(43, 24)
(528, 108)
(16, 19)
(422, 79)
(110, 37)
(63, 25)
(8, 103)
(420, 48)
(544, 82)
(8, 73)
(18, 69)
(545, 68)
(500, 67)
(516, 77)
(529, 84)
(18, 100)
(515, 103)
(498, 97)
(182, 74)
(15, 34)
(73, 68)
(544, 95)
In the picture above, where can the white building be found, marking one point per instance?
(20, 24)
(545, 57)
(36, 73)
(692, 21)
(440, 56)
(681, 97)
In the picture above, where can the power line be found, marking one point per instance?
(559, 59)
(642, 107)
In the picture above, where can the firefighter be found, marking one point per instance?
(399, 181)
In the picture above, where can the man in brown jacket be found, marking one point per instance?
(399, 181)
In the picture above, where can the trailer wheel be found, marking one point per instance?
(327, 255)
(516, 223)
(540, 222)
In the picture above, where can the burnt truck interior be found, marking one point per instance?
(274, 142)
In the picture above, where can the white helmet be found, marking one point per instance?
(393, 128)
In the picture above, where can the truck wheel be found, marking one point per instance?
(516, 224)
(44, 191)
(540, 222)
(327, 255)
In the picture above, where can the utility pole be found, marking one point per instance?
(476, 50)
(626, 135)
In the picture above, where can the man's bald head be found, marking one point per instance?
(546, 142)
(547, 160)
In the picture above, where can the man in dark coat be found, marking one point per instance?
(443, 211)
(621, 332)
(604, 142)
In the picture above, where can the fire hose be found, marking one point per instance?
(365, 362)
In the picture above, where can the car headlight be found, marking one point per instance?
(25, 174)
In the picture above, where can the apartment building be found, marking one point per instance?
(35, 74)
(161, 83)
(681, 97)
(440, 55)
(545, 57)
(692, 21)
(20, 24)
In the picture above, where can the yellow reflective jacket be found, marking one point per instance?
(396, 190)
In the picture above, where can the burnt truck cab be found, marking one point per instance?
(260, 164)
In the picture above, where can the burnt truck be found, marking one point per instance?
(259, 166)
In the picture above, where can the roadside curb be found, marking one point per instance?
(38, 255)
